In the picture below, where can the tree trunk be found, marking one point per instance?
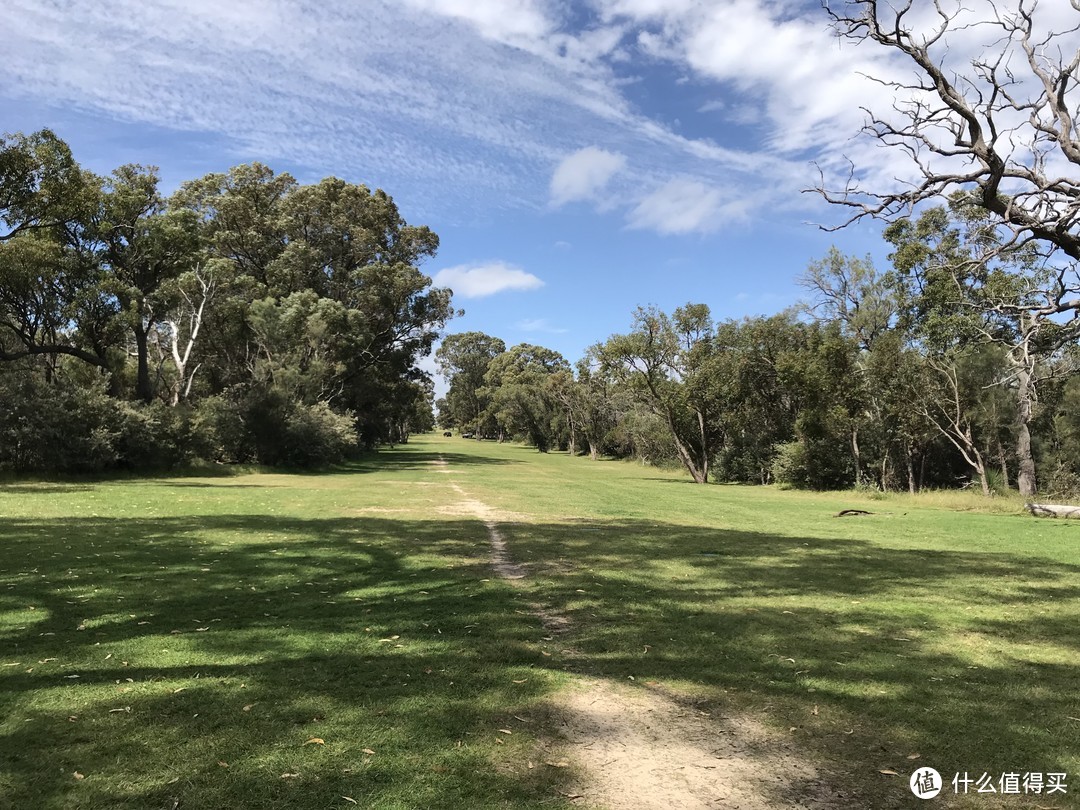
(143, 389)
(1053, 510)
(910, 469)
(1004, 465)
(858, 460)
(1025, 400)
(980, 469)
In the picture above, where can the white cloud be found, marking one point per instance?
(510, 21)
(680, 206)
(481, 280)
(462, 106)
(540, 325)
(584, 174)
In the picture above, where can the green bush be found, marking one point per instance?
(789, 466)
(55, 427)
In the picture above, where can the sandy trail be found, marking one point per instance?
(639, 749)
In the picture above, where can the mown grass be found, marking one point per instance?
(915, 630)
(217, 625)
(182, 642)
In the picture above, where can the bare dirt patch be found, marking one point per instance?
(639, 749)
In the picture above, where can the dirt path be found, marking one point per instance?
(639, 749)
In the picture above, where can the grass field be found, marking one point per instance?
(340, 639)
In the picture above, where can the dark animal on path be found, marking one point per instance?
(448, 434)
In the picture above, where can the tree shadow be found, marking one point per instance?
(394, 636)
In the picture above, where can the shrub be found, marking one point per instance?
(789, 466)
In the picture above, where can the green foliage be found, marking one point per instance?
(789, 467)
(521, 401)
(464, 359)
(299, 307)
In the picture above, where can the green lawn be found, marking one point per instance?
(185, 640)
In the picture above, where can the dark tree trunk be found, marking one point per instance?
(1003, 458)
(143, 388)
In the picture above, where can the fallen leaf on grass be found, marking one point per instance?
(913, 756)
(814, 711)
(888, 772)
(525, 679)
(367, 751)
(315, 741)
(289, 775)
(248, 707)
(562, 763)
(223, 763)
(123, 709)
(349, 799)
(505, 731)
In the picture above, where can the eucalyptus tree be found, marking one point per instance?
(962, 285)
(521, 400)
(669, 365)
(991, 111)
(463, 359)
(39, 181)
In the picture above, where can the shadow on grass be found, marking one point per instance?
(236, 639)
(866, 653)
(148, 652)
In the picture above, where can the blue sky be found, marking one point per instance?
(577, 159)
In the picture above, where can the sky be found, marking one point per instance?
(577, 158)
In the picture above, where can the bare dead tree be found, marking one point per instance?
(182, 331)
(952, 420)
(1004, 131)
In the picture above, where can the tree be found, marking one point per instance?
(39, 182)
(1004, 131)
(851, 291)
(521, 401)
(463, 359)
(668, 362)
(960, 286)
(143, 245)
(1001, 131)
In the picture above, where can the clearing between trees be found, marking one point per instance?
(458, 623)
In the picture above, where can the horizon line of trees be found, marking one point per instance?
(251, 318)
(955, 367)
(245, 318)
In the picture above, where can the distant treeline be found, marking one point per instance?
(956, 367)
(246, 318)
